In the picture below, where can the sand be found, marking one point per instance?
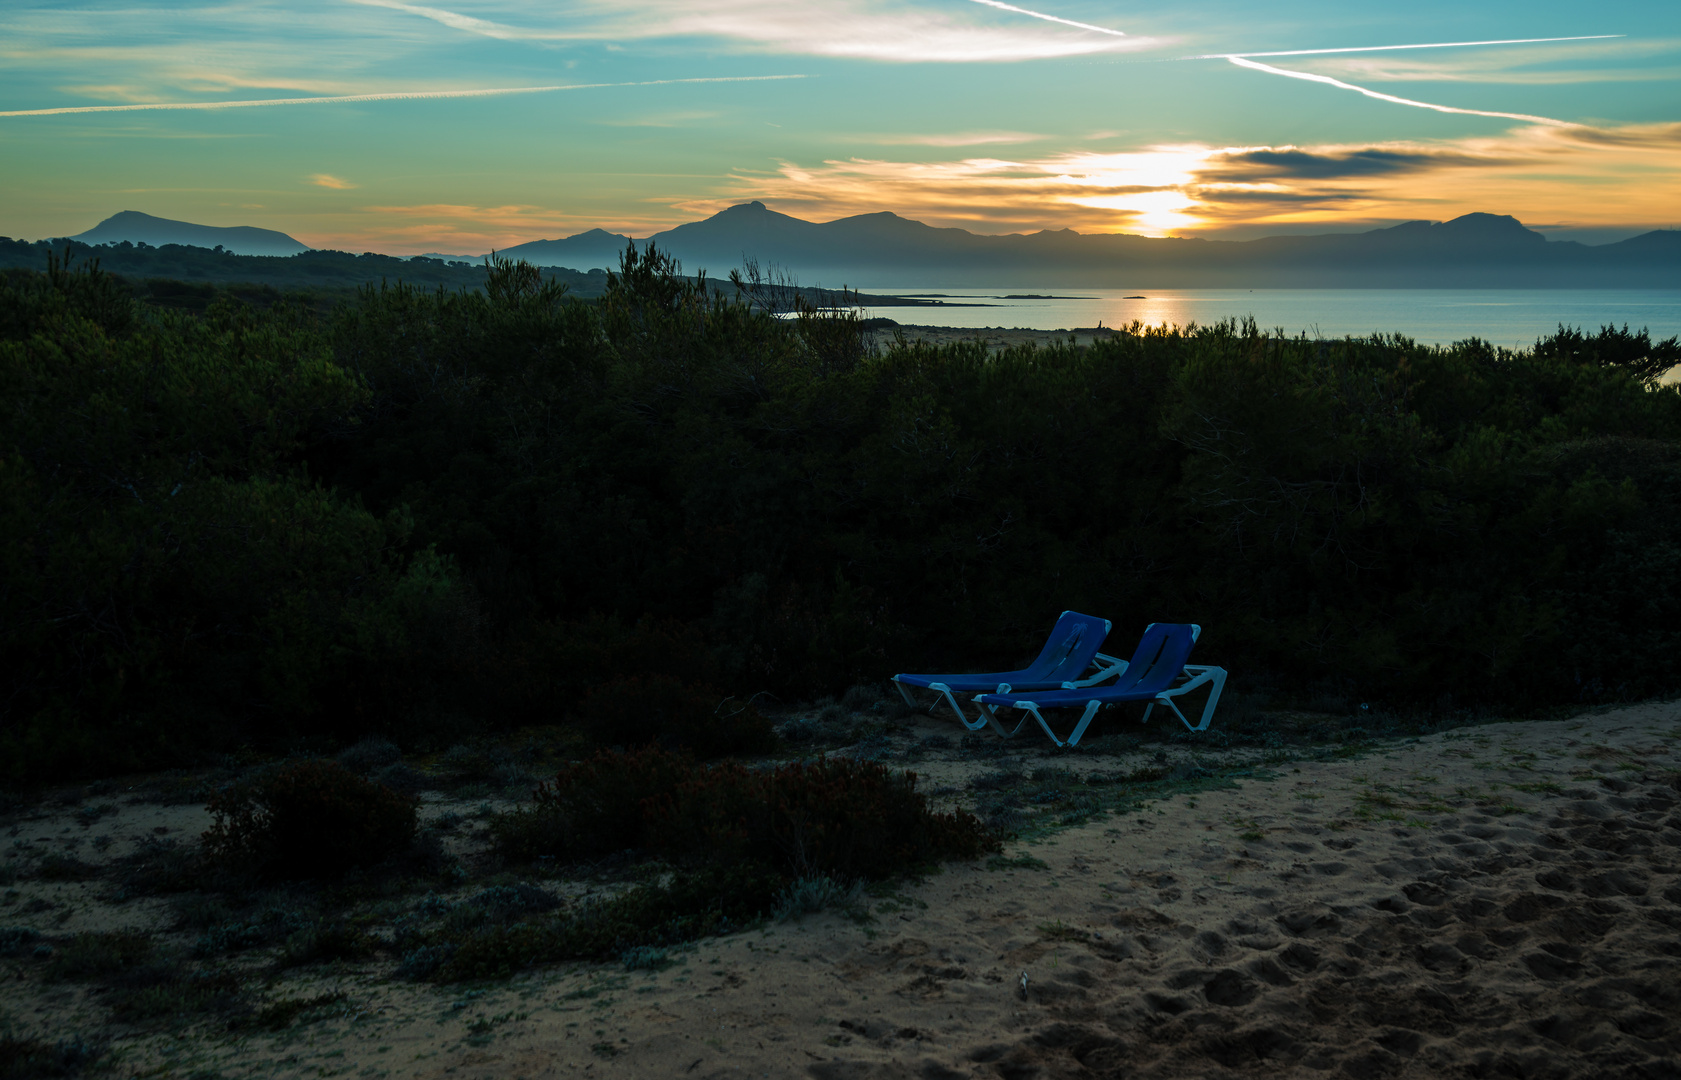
(1500, 900)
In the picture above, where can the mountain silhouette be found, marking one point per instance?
(594, 248)
(884, 249)
(137, 228)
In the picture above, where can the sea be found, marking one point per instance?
(1514, 318)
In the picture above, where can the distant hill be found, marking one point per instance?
(136, 228)
(1473, 251)
(336, 272)
(597, 248)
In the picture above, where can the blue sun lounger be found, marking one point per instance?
(1156, 674)
(1062, 664)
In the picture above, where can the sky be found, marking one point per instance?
(456, 126)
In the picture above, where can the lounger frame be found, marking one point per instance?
(1191, 677)
(1105, 667)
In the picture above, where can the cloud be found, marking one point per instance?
(1295, 163)
(679, 118)
(111, 92)
(1600, 58)
(399, 95)
(958, 138)
(856, 29)
(1403, 48)
(327, 180)
(1590, 176)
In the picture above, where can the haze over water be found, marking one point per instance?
(1514, 318)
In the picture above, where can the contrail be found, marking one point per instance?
(1392, 48)
(405, 95)
(1241, 61)
(1049, 18)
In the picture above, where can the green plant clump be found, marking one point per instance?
(837, 817)
(308, 819)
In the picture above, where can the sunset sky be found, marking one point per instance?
(512, 120)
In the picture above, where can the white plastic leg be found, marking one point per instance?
(945, 691)
(1213, 697)
(997, 724)
(1033, 710)
(1169, 703)
(1210, 675)
(1080, 728)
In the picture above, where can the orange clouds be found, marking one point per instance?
(1583, 175)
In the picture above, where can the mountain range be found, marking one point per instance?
(884, 250)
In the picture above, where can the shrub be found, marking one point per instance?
(329, 941)
(400, 778)
(646, 958)
(30, 1059)
(161, 990)
(658, 708)
(809, 895)
(15, 940)
(370, 754)
(280, 1015)
(591, 808)
(57, 867)
(712, 900)
(843, 818)
(518, 899)
(160, 865)
(92, 956)
(423, 963)
(308, 819)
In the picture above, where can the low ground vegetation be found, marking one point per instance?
(627, 858)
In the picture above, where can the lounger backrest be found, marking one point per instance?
(1160, 656)
(1074, 640)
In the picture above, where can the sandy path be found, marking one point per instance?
(1492, 901)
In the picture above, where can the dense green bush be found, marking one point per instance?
(435, 514)
(308, 819)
